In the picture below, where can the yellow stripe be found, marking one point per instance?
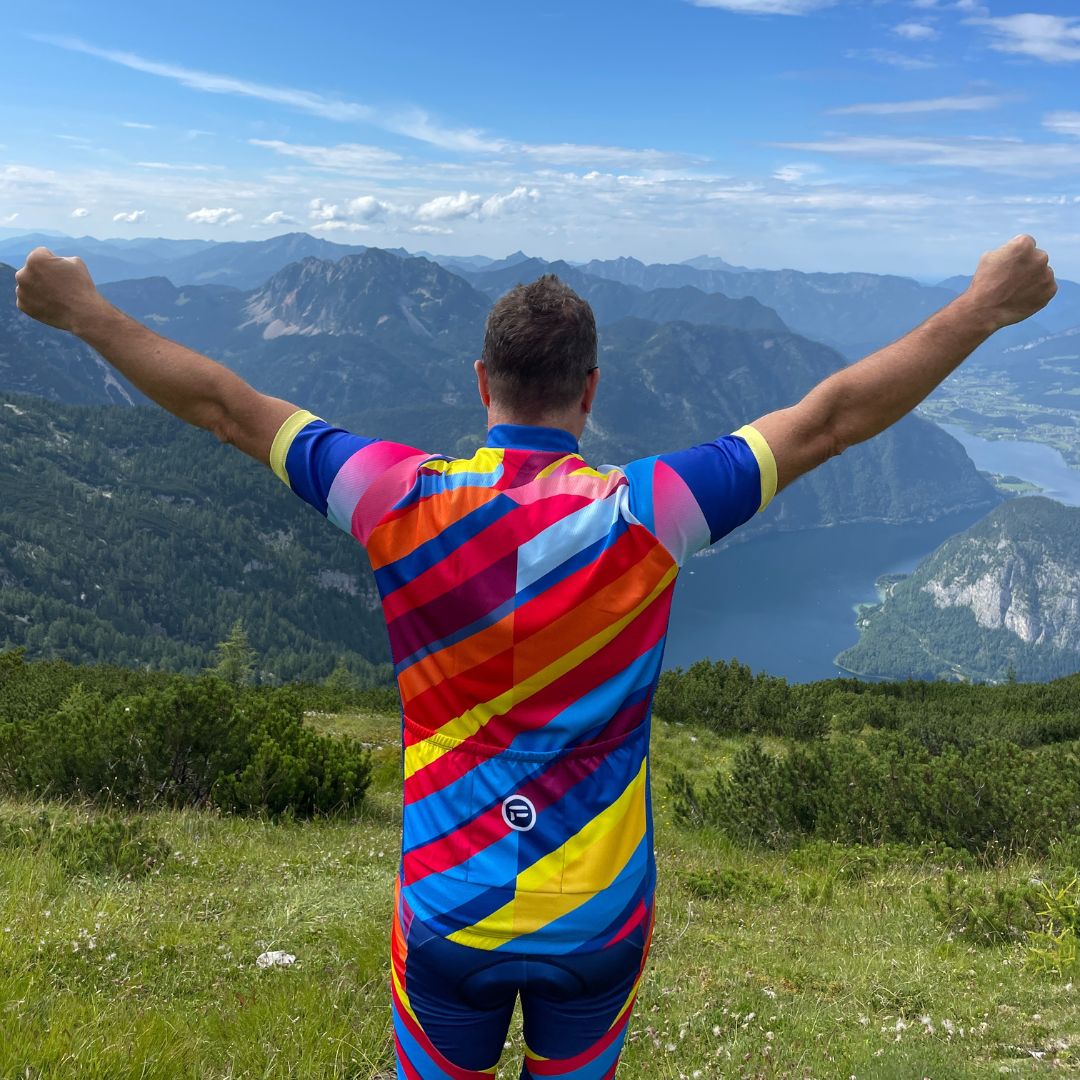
(603, 846)
(283, 440)
(486, 460)
(425, 751)
(766, 462)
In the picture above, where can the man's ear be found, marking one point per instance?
(592, 381)
(482, 383)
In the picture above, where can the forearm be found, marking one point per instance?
(189, 385)
(864, 399)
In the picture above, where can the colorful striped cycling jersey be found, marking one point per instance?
(526, 595)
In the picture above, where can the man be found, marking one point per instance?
(526, 596)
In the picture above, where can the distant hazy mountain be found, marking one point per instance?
(1062, 313)
(712, 262)
(1002, 596)
(612, 300)
(243, 264)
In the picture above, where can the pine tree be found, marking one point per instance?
(235, 657)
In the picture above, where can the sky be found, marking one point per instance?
(900, 136)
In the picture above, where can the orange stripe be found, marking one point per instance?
(403, 531)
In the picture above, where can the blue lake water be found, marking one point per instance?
(1042, 465)
(786, 603)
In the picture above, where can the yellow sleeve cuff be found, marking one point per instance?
(766, 462)
(283, 440)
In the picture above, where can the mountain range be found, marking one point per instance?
(382, 342)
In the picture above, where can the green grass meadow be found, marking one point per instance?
(818, 962)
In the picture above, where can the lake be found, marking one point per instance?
(786, 603)
(1035, 462)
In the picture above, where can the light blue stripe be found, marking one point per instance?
(562, 540)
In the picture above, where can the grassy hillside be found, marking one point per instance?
(816, 961)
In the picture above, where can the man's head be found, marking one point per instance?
(539, 359)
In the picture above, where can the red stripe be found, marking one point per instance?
(630, 924)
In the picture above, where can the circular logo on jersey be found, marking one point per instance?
(519, 813)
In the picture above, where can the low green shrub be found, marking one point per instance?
(889, 787)
(189, 742)
(983, 915)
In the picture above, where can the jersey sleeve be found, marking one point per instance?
(352, 480)
(691, 498)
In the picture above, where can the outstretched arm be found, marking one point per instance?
(60, 292)
(1011, 283)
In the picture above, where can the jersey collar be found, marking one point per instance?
(532, 437)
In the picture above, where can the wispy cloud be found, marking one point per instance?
(347, 156)
(766, 7)
(80, 212)
(130, 217)
(892, 59)
(978, 103)
(1064, 123)
(1014, 157)
(1054, 39)
(414, 123)
(169, 166)
(138, 124)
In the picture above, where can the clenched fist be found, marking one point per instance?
(1012, 282)
(56, 291)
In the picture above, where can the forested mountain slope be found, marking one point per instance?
(127, 537)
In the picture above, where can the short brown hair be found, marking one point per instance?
(539, 345)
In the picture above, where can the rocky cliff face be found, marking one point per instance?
(1003, 595)
(1021, 584)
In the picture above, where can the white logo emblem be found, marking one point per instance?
(519, 813)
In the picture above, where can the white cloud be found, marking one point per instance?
(766, 7)
(915, 31)
(431, 230)
(353, 156)
(80, 212)
(367, 207)
(278, 217)
(137, 124)
(220, 215)
(10, 218)
(499, 204)
(338, 225)
(415, 123)
(1054, 39)
(130, 217)
(899, 108)
(321, 210)
(449, 207)
(892, 59)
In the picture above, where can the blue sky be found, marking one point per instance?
(882, 135)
